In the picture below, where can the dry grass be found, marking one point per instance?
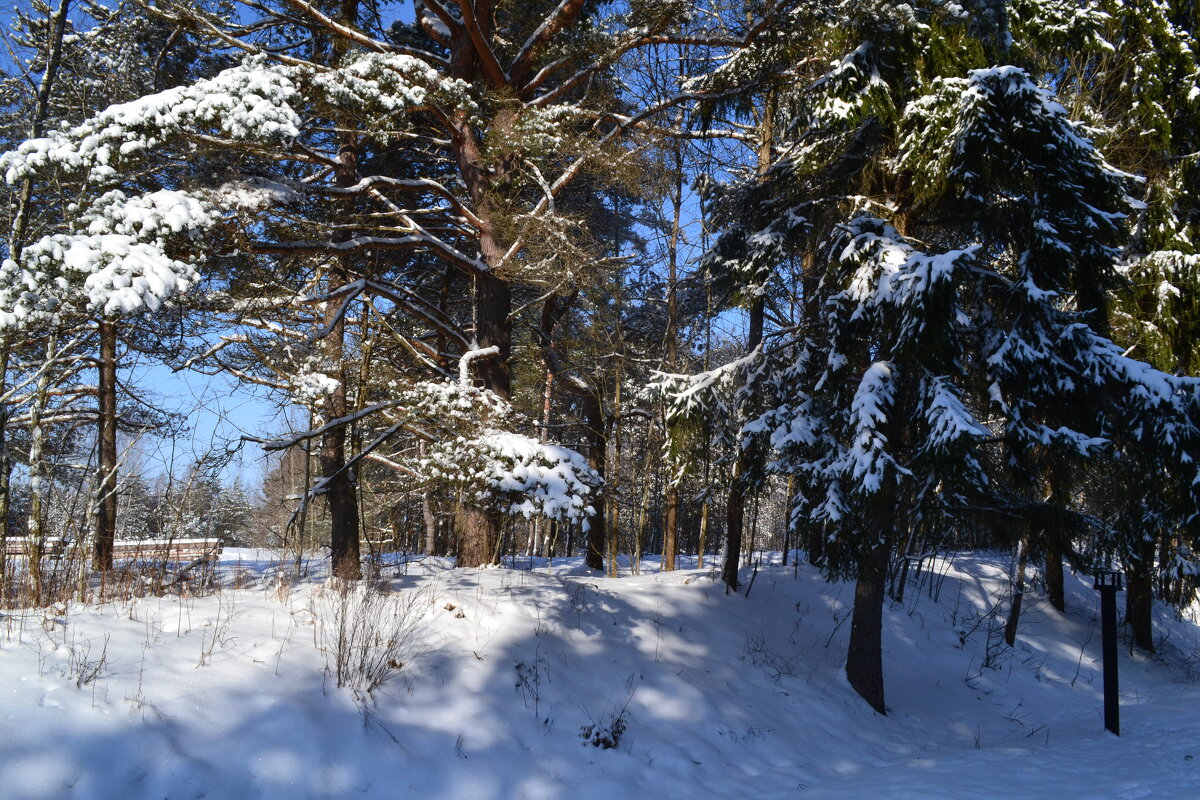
(367, 633)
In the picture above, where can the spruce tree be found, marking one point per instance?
(962, 235)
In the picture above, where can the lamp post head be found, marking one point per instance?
(1109, 580)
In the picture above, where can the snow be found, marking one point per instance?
(389, 84)
(950, 421)
(227, 695)
(311, 387)
(117, 259)
(534, 477)
(868, 457)
(248, 102)
(472, 447)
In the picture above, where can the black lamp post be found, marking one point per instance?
(1109, 583)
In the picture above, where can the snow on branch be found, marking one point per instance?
(249, 102)
(705, 393)
(390, 84)
(868, 457)
(518, 475)
(117, 259)
(464, 363)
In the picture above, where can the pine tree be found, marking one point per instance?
(493, 107)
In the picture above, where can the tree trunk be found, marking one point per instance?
(1018, 595)
(815, 544)
(478, 534)
(430, 525)
(734, 516)
(5, 469)
(1055, 589)
(1139, 596)
(38, 477)
(671, 528)
(539, 529)
(735, 506)
(885, 519)
(787, 521)
(671, 521)
(337, 480)
(493, 304)
(593, 417)
(864, 658)
(339, 492)
(106, 491)
(1168, 586)
(591, 402)
(57, 25)
(478, 528)
(612, 493)
(639, 534)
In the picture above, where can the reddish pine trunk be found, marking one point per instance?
(671, 528)
(106, 491)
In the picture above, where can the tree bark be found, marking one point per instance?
(671, 521)
(1055, 589)
(493, 303)
(106, 490)
(1139, 596)
(478, 534)
(612, 511)
(593, 419)
(864, 658)
(430, 525)
(337, 479)
(671, 527)
(5, 468)
(735, 506)
(815, 544)
(1014, 609)
(478, 527)
(38, 474)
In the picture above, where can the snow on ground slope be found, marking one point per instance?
(231, 696)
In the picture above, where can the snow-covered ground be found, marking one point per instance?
(234, 695)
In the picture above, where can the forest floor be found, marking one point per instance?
(507, 683)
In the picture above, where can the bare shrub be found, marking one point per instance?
(605, 730)
(368, 634)
(82, 667)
